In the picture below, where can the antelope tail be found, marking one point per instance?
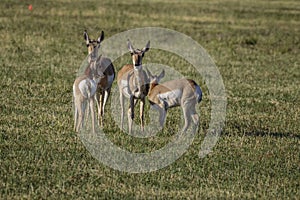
(198, 93)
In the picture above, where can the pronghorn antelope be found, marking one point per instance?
(180, 92)
(133, 83)
(84, 89)
(103, 66)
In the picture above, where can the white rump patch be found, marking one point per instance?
(87, 87)
(198, 93)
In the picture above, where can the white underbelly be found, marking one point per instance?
(125, 88)
(171, 98)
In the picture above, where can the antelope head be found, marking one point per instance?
(137, 55)
(91, 70)
(139, 75)
(155, 79)
(93, 45)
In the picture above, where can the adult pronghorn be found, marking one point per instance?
(103, 66)
(133, 83)
(84, 89)
(179, 92)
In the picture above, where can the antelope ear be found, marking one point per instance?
(147, 47)
(129, 46)
(86, 37)
(162, 74)
(100, 38)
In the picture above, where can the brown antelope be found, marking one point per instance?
(180, 92)
(133, 83)
(84, 89)
(103, 66)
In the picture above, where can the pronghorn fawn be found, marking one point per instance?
(179, 92)
(103, 66)
(133, 84)
(84, 89)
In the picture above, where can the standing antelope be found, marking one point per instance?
(180, 92)
(103, 66)
(133, 83)
(84, 89)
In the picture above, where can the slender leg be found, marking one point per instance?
(142, 107)
(162, 116)
(132, 104)
(122, 108)
(80, 113)
(105, 97)
(98, 106)
(130, 120)
(194, 115)
(86, 113)
(187, 117)
(75, 114)
(92, 114)
(83, 112)
(131, 113)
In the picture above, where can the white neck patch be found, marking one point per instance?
(137, 68)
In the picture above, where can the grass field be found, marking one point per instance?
(256, 46)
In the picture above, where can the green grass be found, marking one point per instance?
(255, 45)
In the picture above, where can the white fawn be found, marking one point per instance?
(103, 66)
(84, 89)
(133, 84)
(179, 92)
